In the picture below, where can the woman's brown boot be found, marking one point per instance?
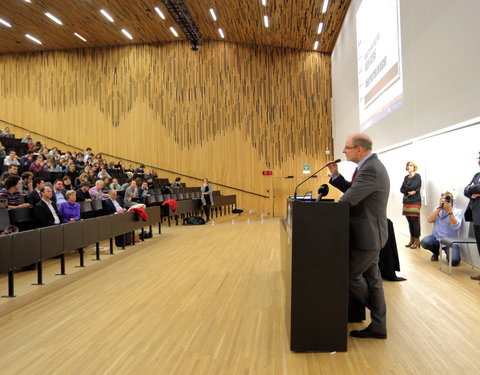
(416, 243)
(410, 243)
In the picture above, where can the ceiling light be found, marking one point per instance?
(127, 34)
(32, 38)
(173, 31)
(162, 16)
(325, 6)
(320, 27)
(315, 45)
(27, 1)
(53, 18)
(107, 16)
(80, 37)
(220, 31)
(265, 20)
(5, 23)
(264, 3)
(212, 12)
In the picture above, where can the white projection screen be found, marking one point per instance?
(379, 60)
(440, 49)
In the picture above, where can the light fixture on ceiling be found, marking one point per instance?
(320, 27)
(160, 13)
(127, 34)
(28, 1)
(182, 16)
(53, 18)
(212, 12)
(80, 37)
(264, 3)
(106, 15)
(33, 38)
(222, 35)
(5, 23)
(265, 21)
(174, 32)
(325, 6)
(315, 45)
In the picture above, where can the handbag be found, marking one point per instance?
(468, 214)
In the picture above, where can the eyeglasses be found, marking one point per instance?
(349, 147)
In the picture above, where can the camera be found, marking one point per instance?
(448, 199)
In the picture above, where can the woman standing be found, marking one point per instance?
(207, 197)
(412, 202)
(472, 192)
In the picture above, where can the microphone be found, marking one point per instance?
(309, 177)
(322, 192)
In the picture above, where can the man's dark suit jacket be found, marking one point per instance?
(109, 207)
(33, 198)
(474, 188)
(367, 197)
(42, 214)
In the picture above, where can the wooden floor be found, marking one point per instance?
(209, 300)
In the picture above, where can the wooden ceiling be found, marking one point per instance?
(292, 23)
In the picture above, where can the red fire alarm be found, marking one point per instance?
(267, 173)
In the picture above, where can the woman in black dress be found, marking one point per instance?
(412, 202)
(207, 198)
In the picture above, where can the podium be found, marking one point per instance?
(315, 239)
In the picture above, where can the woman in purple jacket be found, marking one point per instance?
(70, 210)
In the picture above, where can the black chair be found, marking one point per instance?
(51, 244)
(448, 242)
(151, 201)
(73, 239)
(19, 215)
(26, 252)
(4, 219)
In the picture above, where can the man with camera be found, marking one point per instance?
(447, 221)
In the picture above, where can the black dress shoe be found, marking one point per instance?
(475, 277)
(434, 258)
(367, 334)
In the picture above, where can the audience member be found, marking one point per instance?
(11, 159)
(176, 183)
(472, 192)
(27, 138)
(3, 153)
(37, 165)
(115, 185)
(412, 202)
(27, 159)
(11, 194)
(26, 186)
(67, 183)
(12, 170)
(446, 221)
(58, 195)
(46, 212)
(113, 204)
(131, 195)
(103, 173)
(96, 191)
(82, 192)
(70, 210)
(6, 133)
(35, 196)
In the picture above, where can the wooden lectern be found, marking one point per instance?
(315, 270)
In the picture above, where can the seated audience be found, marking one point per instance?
(35, 196)
(115, 185)
(6, 133)
(27, 159)
(72, 172)
(26, 183)
(70, 210)
(143, 191)
(447, 221)
(176, 183)
(37, 165)
(11, 171)
(67, 183)
(3, 153)
(106, 185)
(11, 159)
(131, 195)
(140, 169)
(45, 212)
(82, 192)
(112, 204)
(96, 191)
(58, 193)
(103, 173)
(10, 195)
(27, 138)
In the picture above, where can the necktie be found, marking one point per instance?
(354, 174)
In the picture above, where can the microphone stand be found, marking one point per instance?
(309, 177)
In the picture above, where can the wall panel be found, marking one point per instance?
(226, 112)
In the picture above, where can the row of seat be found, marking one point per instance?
(34, 246)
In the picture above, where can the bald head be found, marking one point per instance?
(357, 147)
(362, 140)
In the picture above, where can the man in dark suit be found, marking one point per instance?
(367, 196)
(472, 192)
(112, 205)
(45, 212)
(35, 196)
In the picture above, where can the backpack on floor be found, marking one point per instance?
(194, 220)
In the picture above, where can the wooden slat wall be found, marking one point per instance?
(226, 112)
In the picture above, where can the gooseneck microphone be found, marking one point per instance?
(309, 177)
